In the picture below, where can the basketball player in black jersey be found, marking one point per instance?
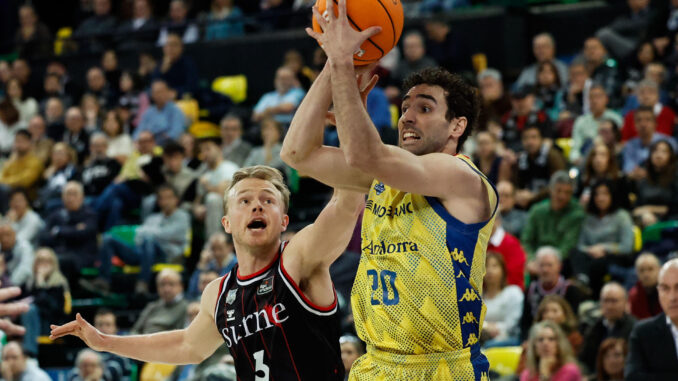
(276, 310)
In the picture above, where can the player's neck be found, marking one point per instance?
(252, 259)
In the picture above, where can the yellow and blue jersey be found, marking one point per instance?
(417, 294)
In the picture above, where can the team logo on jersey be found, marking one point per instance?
(379, 188)
(469, 318)
(230, 315)
(472, 339)
(381, 247)
(390, 210)
(230, 297)
(266, 286)
(469, 296)
(460, 274)
(458, 255)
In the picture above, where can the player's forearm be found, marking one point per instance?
(306, 130)
(359, 138)
(164, 347)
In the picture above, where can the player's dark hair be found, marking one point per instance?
(462, 98)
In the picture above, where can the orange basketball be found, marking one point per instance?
(362, 14)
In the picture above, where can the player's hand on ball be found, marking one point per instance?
(365, 88)
(80, 328)
(339, 39)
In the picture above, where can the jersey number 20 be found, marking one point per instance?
(387, 286)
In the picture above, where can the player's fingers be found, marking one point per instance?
(319, 18)
(63, 329)
(370, 85)
(9, 293)
(330, 118)
(12, 309)
(10, 328)
(329, 9)
(314, 34)
(342, 9)
(371, 31)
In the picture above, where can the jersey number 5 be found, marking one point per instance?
(388, 287)
(260, 367)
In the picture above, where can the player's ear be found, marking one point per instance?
(285, 222)
(458, 126)
(226, 224)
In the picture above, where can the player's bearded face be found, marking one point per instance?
(422, 127)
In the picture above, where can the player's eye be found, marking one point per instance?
(425, 109)
(244, 201)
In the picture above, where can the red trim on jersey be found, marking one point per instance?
(221, 288)
(242, 303)
(266, 268)
(303, 297)
(287, 344)
(260, 332)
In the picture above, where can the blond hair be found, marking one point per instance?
(262, 172)
(564, 355)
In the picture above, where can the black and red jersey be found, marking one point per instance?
(273, 331)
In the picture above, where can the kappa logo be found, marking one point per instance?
(460, 274)
(230, 297)
(266, 286)
(469, 296)
(469, 318)
(458, 255)
(379, 188)
(472, 339)
(230, 315)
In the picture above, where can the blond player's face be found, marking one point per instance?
(422, 127)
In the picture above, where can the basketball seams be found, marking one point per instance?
(360, 30)
(390, 19)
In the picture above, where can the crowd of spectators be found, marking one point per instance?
(104, 170)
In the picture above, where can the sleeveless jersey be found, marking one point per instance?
(273, 331)
(417, 292)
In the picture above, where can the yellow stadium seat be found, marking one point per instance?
(190, 108)
(204, 129)
(234, 86)
(637, 238)
(62, 35)
(504, 360)
(566, 145)
(395, 115)
(156, 372)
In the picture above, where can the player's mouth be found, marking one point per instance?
(410, 136)
(256, 224)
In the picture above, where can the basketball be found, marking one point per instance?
(362, 14)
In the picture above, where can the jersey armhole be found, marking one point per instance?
(222, 287)
(302, 299)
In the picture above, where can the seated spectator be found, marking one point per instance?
(18, 255)
(602, 164)
(351, 349)
(116, 367)
(295, 61)
(54, 117)
(99, 87)
(132, 101)
(178, 24)
(648, 96)
(139, 32)
(549, 355)
(654, 72)
(557, 310)
(91, 110)
(533, 166)
(513, 220)
(496, 102)
(163, 119)
(218, 256)
(606, 237)
(656, 193)
(233, 147)
(191, 159)
(109, 64)
(609, 134)
(602, 69)
(32, 38)
(612, 355)
(76, 136)
(99, 169)
(281, 103)
(16, 366)
(269, 152)
(548, 282)
(513, 254)
(51, 298)
(486, 157)
(23, 169)
(62, 169)
(161, 238)
(645, 54)
(71, 232)
(544, 50)
(627, 31)
(414, 60)
(177, 70)
(167, 313)
(652, 343)
(42, 144)
(614, 322)
(102, 22)
(26, 223)
(637, 150)
(643, 297)
(523, 113)
(549, 90)
(53, 88)
(9, 125)
(120, 144)
(21, 70)
(27, 106)
(88, 367)
(217, 174)
(225, 20)
(576, 98)
(586, 126)
(504, 305)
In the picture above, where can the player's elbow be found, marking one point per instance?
(361, 159)
(292, 156)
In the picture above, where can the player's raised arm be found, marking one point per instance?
(185, 346)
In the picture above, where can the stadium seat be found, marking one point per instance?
(395, 115)
(62, 35)
(156, 372)
(234, 86)
(653, 233)
(637, 238)
(565, 144)
(203, 129)
(504, 360)
(190, 108)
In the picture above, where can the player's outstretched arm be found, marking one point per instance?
(185, 346)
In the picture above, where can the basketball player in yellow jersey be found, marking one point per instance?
(428, 218)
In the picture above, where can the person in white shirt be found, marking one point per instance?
(504, 304)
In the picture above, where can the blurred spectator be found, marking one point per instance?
(191, 151)
(612, 355)
(178, 24)
(131, 99)
(555, 221)
(414, 60)
(23, 169)
(652, 344)
(109, 64)
(54, 117)
(295, 61)
(26, 105)
(281, 103)
(71, 232)
(586, 126)
(269, 152)
(99, 87)
(16, 367)
(234, 148)
(655, 72)
(26, 223)
(42, 144)
(167, 313)
(120, 145)
(9, 125)
(218, 256)
(549, 355)
(513, 220)
(648, 96)
(627, 31)
(118, 368)
(444, 47)
(100, 23)
(177, 70)
(5, 75)
(32, 39)
(643, 297)
(637, 150)
(523, 113)
(556, 309)
(606, 237)
(549, 90)
(613, 322)
(544, 50)
(602, 69)
(549, 282)
(216, 177)
(225, 20)
(504, 304)
(351, 349)
(147, 66)
(99, 169)
(656, 192)
(602, 164)
(486, 157)
(62, 169)
(18, 255)
(21, 70)
(88, 367)
(76, 136)
(68, 85)
(512, 253)
(52, 87)
(163, 119)
(91, 110)
(644, 55)
(139, 32)
(576, 99)
(496, 102)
